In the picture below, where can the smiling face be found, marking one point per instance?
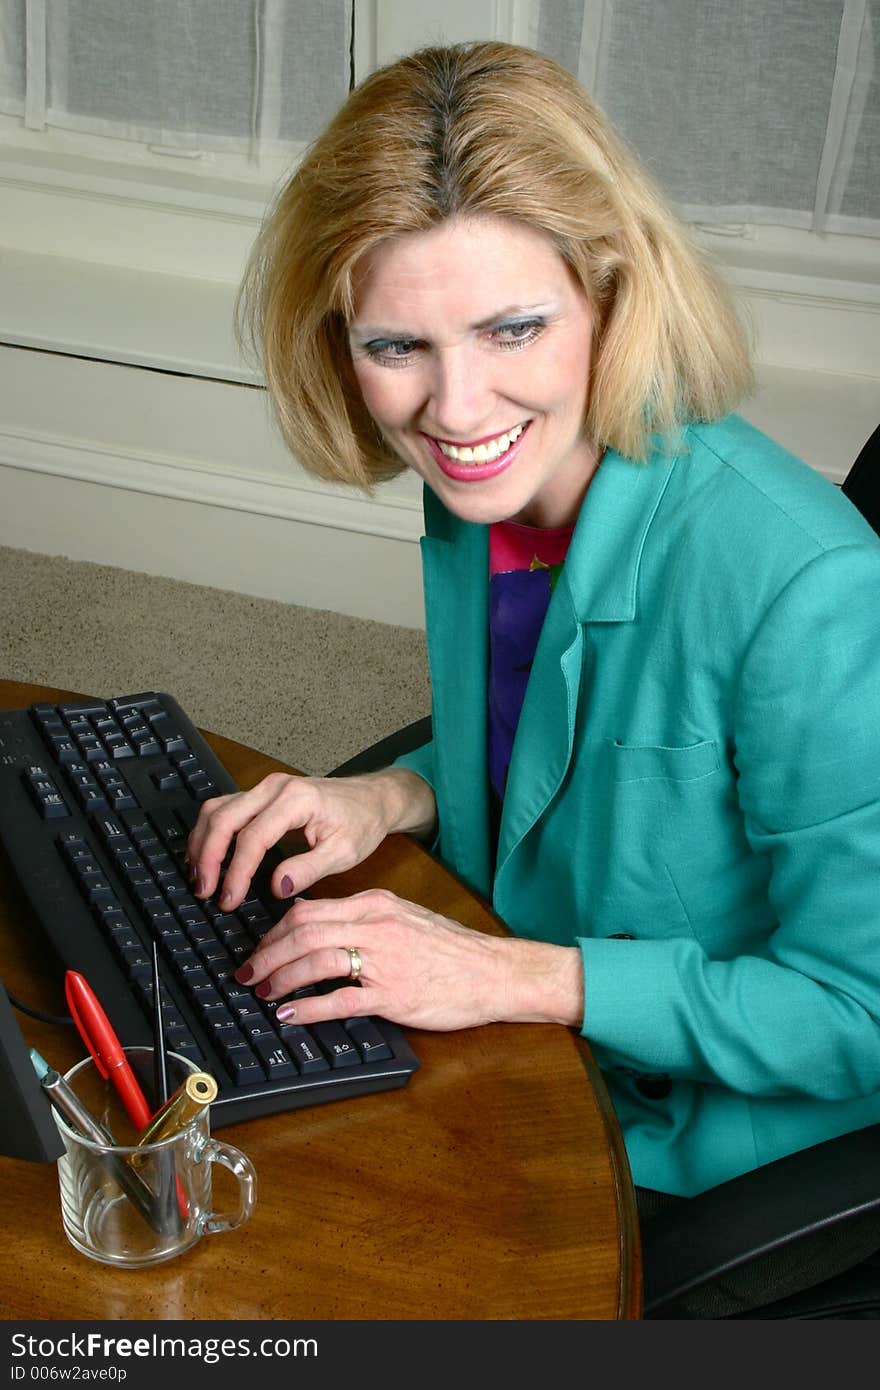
(471, 344)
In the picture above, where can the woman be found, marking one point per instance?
(653, 635)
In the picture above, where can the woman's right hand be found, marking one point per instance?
(343, 819)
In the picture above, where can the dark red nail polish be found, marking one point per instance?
(264, 989)
(287, 887)
(244, 973)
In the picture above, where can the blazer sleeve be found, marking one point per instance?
(798, 1012)
(420, 760)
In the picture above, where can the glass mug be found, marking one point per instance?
(137, 1205)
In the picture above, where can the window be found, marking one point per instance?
(224, 85)
(766, 111)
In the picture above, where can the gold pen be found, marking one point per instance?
(197, 1091)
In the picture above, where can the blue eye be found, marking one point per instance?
(518, 334)
(391, 351)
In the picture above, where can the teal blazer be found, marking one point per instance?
(694, 793)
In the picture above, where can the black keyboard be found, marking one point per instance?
(97, 798)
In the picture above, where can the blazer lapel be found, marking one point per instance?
(598, 584)
(545, 733)
(455, 565)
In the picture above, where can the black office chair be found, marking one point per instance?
(744, 1231)
(862, 482)
(383, 753)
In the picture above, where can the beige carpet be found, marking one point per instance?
(307, 686)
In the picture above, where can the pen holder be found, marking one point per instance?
(134, 1205)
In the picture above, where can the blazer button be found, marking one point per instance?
(654, 1087)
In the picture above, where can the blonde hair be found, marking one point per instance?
(484, 129)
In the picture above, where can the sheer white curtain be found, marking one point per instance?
(241, 76)
(755, 111)
(763, 111)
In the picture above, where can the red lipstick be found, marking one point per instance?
(473, 472)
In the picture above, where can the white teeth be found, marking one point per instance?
(481, 453)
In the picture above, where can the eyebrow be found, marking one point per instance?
(366, 332)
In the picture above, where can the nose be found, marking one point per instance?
(462, 394)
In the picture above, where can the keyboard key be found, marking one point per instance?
(190, 1049)
(92, 800)
(209, 996)
(94, 885)
(116, 924)
(163, 927)
(336, 1043)
(138, 823)
(169, 828)
(256, 918)
(144, 742)
(238, 946)
(369, 1041)
(136, 960)
(197, 932)
(188, 911)
(170, 738)
(131, 704)
(37, 772)
(45, 794)
(243, 1066)
(172, 939)
(303, 1049)
(254, 1025)
(73, 846)
(112, 832)
(118, 746)
(166, 780)
(225, 1033)
(120, 798)
(277, 1061)
(74, 708)
(80, 726)
(202, 788)
(64, 749)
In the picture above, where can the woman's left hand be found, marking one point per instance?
(417, 968)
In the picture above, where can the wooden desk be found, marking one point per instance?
(493, 1186)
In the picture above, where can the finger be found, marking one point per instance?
(348, 1001)
(332, 855)
(328, 963)
(227, 813)
(219, 820)
(372, 902)
(286, 944)
(263, 830)
(199, 833)
(278, 947)
(259, 820)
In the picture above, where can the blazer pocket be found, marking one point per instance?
(645, 762)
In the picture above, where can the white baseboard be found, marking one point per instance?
(249, 552)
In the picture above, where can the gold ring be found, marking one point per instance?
(356, 966)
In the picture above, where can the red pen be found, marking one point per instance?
(106, 1049)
